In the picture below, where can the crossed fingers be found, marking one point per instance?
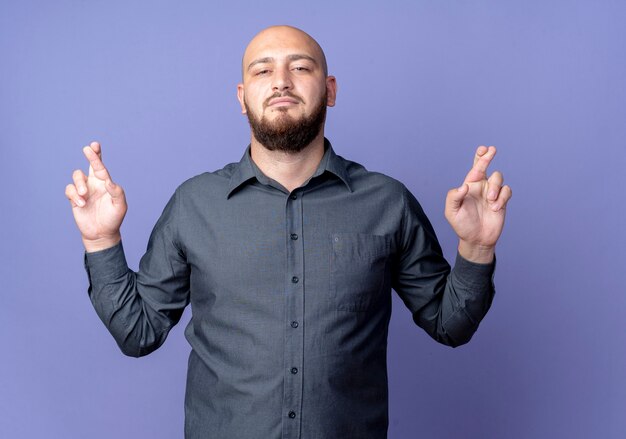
(78, 192)
(496, 194)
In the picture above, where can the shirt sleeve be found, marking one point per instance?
(447, 304)
(140, 308)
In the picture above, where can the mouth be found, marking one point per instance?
(283, 101)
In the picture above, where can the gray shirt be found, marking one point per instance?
(290, 296)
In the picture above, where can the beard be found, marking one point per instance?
(285, 133)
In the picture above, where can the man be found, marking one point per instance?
(288, 259)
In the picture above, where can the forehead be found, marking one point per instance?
(279, 43)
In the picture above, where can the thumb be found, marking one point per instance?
(455, 198)
(115, 191)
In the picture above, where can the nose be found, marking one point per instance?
(282, 80)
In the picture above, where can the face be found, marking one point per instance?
(285, 89)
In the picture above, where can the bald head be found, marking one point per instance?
(262, 46)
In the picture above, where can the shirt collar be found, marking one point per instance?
(246, 170)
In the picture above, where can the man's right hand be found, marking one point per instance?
(98, 204)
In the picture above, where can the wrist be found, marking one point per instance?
(480, 254)
(94, 245)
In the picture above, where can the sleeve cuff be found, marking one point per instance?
(106, 264)
(474, 274)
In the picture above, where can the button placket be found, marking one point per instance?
(294, 313)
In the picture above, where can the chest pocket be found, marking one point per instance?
(358, 269)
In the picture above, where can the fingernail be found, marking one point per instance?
(492, 195)
(495, 207)
(81, 203)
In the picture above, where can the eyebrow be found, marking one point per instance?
(294, 57)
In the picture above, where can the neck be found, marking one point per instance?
(289, 169)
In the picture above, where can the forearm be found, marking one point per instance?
(114, 291)
(453, 316)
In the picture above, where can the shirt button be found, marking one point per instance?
(293, 196)
(292, 415)
(295, 279)
(294, 236)
(294, 324)
(294, 370)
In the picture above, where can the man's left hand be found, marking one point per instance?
(477, 208)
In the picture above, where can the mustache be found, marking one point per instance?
(287, 94)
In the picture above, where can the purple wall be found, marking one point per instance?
(421, 83)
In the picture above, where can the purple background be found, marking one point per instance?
(421, 83)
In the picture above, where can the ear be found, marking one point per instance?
(331, 90)
(240, 97)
